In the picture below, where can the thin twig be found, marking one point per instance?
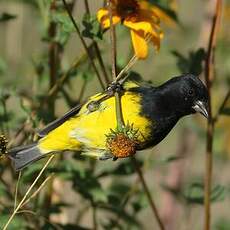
(53, 57)
(101, 63)
(118, 107)
(97, 50)
(16, 190)
(210, 128)
(84, 44)
(131, 62)
(53, 91)
(215, 119)
(147, 192)
(36, 215)
(113, 42)
(28, 191)
(37, 190)
(94, 210)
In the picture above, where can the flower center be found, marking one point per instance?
(127, 8)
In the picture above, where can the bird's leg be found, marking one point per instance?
(113, 88)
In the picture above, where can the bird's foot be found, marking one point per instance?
(114, 87)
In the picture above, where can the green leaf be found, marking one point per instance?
(192, 63)
(3, 190)
(57, 208)
(65, 27)
(116, 191)
(92, 28)
(50, 226)
(111, 223)
(194, 193)
(6, 17)
(226, 111)
(31, 172)
(140, 203)
(87, 76)
(123, 168)
(165, 6)
(99, 195)
(170, 159)
(122, 214)
(222, 224)
(67, 168)
(86, 184)
(3, 66)
(16, 223)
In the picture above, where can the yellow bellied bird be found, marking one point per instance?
(153, 111)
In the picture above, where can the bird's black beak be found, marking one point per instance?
(201, 107)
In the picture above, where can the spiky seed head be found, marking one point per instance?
(121, 145)
(3, 143)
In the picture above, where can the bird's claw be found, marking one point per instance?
(114, 87)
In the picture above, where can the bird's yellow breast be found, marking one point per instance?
(88, 130)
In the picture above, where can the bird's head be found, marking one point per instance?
(188, 95)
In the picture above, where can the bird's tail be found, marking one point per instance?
(22, 156)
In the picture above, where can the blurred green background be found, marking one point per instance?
(84, 193)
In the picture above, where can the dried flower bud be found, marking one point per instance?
(121, 145)
(3, 143)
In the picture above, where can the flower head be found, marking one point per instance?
(141, 17)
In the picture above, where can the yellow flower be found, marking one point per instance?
(141, 17)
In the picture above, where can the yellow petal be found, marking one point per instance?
(139, 44)
(163, 16)
(101, 13)
(144, 26)
(103, 18)
(156, 42)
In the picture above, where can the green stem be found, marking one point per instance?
(97, 50)
(94, 217)
(148, 194)
(118, 107)
(84, 44)
(215, 119)
(27, 193)
(113, 42)
(119, 116)
(209, 66)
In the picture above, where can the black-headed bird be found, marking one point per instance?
(152, 111)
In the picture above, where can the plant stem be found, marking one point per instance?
(55, 89)
(38, 190)
(94, 210)
(120, 121)
(16, 189)
(53, 58)
(118, 106)
(84, 44)
(131, 62)
(113, 42)
(97, 50)
(147, 192)
(215, 119)
(209, 64)
(28, 191)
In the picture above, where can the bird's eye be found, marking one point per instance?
(191, 92)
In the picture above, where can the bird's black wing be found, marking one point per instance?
(54, 124)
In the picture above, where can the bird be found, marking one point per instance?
(152, 111)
